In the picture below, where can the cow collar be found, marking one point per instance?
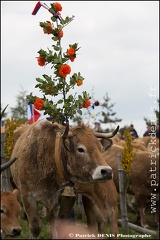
(58, 157)
(61, 163)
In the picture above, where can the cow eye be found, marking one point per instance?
(80, 149)
(2, 211)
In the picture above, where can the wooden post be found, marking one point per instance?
(141, 229)
(123, 192)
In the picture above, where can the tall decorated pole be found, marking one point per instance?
(57, 100)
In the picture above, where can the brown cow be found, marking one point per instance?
(48, 159)
(150, 143)
(10, 207)
(10, 210)
(144, 177)
(100, 201)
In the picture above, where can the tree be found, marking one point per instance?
(20, 111)
(108, 114)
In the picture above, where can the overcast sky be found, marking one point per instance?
(119, 52)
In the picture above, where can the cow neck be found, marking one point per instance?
(60, 160)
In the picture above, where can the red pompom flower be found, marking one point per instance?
(64, 70)
(87, 103)
(39, 103)
(58, 6)
(41, 61)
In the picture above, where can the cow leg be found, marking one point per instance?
(131, 204)
(53, 225)
(30, 206)
(113, 218)
(143, 217)
(141, 205)
(90, 214)
(101, 226)
(58, 213)
(66, 205)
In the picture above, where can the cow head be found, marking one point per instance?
(10, 210)
(84, 156)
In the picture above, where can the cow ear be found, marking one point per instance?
(16, 193)
(106, 143)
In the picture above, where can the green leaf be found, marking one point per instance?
(60, 101)
(46, 77)
(79, 111)
(39, 80)
(53, 19)
(56, 48)
(56, 60)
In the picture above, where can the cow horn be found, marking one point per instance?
(65, 134)
(3, 111)
(106, 135)
(7, 164)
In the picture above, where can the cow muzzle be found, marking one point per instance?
(102, 173)
(17, 231)
(13, 232)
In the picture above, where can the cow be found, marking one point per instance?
(10, 209)
(50, 157)
(100, 202)
(144, 179)
(149, 143)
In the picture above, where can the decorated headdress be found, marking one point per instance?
(58, 84)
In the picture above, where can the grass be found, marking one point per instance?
(132, 217)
